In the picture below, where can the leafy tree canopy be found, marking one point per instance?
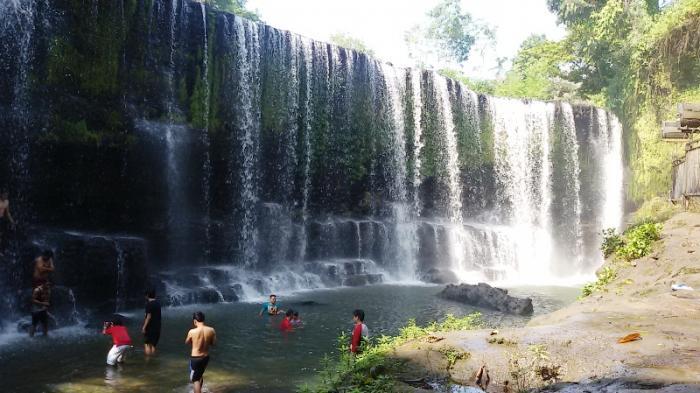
(450, 34)
(347, 41)
(237, 7)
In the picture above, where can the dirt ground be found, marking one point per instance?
(579, 344)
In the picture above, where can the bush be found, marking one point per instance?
(638, 241)
(612, 241)
(605, 276)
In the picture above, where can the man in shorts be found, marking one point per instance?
(121, 342)
(41, 296)
(201, 338)
(151, 323)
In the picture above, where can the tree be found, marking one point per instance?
(451, 34)
(237, 7)
(538, 71)
(347, 41)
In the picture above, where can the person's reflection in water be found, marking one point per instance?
(113, 375)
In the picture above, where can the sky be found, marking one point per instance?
(381, 24)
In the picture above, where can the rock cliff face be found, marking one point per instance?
(219, 141)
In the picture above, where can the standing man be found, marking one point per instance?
(201, 338)
(7, 223)
(151, 323)
(271, 307)
(43, 266)
(41, 297)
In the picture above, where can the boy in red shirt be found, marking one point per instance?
(120, 340)
(359, 332)
(286, 325)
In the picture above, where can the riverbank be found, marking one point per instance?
(578, 345)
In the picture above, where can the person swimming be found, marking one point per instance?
(286, 325)
(271, 307)
(296, 321)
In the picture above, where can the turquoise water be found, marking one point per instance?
(252, 355)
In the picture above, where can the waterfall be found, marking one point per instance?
(523, 170)
(297, 155)
(19, 20)
(405, 222)
(120, 296)
(307, 63)
(417, 133)
(613, 170)
(206, 144)
(247, 109)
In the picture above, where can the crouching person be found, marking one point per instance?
(121, 342)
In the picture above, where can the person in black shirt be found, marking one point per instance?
(151, 323)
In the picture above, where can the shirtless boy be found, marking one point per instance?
(43, 266)
(201, 338)
(41, 296)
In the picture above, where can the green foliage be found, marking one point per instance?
(605, 276)
(537, 72)
(354, 374)
(454, 31)
(477, 85)
(237, 7)
(638, 61)
(638, 241)
(347, 41)
(451, 32)
(612, 241)
(656, 209)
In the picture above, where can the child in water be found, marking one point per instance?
(296, 321)
(360, 333)
(121, 342)
(286, 325)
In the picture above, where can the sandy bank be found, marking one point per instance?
(579, 342)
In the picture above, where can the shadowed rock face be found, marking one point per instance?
(484, 295)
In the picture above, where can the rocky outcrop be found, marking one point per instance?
(440, 276)
(484, 295)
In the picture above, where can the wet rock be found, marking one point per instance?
(440, 276)
(363, 279)
(484, 295)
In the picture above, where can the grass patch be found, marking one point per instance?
(370, 371)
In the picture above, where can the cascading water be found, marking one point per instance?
(523, 171)
(248, 114)
(314, 162)
(206, 143)
(611, 135)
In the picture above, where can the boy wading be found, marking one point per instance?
(201, 338)
(121, 342)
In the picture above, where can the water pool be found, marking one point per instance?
(252, 355)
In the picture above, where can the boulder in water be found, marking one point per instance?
(359, 280)
(484, 295)
(439, 276)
